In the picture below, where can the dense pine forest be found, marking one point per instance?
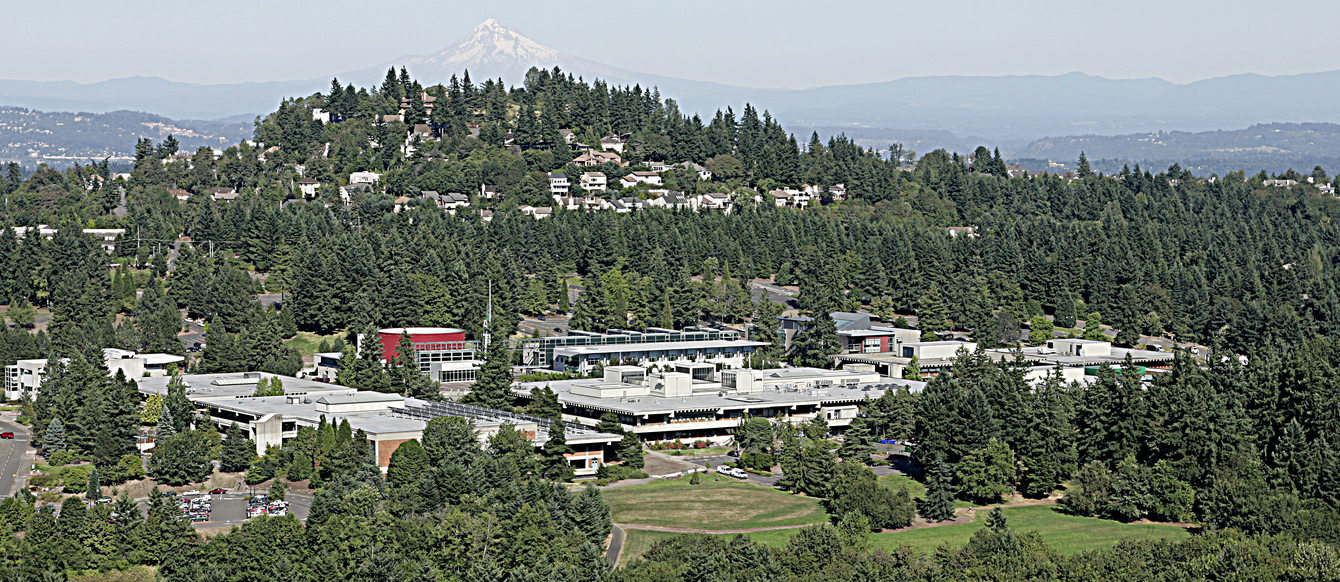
(1244, 446)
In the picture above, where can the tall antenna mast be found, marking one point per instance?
(488, 318)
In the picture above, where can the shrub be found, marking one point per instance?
(60, 458)
(619, 472)
(758, 461)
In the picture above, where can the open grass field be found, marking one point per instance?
(306, 342)
(638, 541)
(711, 505)
(1067, 534)
(914, 487)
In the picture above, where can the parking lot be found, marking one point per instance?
(230, 509)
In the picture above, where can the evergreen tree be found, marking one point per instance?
(544, 404)
(857, 444)
(238, 450)
(166, 425)
(556, 450)
(816, 344)
(938, 505)
(93, 490)
(54, 441)
(1082, 169)
(493, 385)
(592, 515)
(408, 463)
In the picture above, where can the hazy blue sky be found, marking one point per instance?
(778, 43)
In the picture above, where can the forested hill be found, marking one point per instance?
(1249, 268)
(1274, 147)
(1228, 261)
(30, 137)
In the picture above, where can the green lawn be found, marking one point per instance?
(306, 342)
(1067, 534)
(712, 505)
(914, 487)
(638, 541)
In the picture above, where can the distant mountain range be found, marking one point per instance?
(1273, 147)
(924, 112)
(59, 138)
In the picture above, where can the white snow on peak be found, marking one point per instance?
(492, 44)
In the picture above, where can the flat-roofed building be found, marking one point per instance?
(692, 401)
(24, 377)
(941, 350)
(388, 420)
(584, 359)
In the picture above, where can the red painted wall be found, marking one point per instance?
(438, 334)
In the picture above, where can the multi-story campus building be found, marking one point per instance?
(696, 401)
(24, 377)
(388, 420)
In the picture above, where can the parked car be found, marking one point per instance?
(218, 491)
(192, 492)
(6, 435)
(104, 500)
(541, 318)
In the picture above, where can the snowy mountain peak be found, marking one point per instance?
(492, 49)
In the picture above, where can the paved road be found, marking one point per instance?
(773, 293)
(549, 326)
(721, 460)
(13, 455)
(617, 537)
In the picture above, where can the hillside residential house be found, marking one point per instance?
(364, 178)
(628, 204)
(307, 187)
(635, 178)
(715, 201)
(222, 194)
(488, 192)
(347, 192)
(558, 183)
(593, 158)
(704, 174)
(181, 195)
(454, 200)
(593, 182)
(612, 143)
(672, 200)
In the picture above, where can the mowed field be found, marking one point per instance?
(727, 504)
(1067, 534)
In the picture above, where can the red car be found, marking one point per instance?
(219, 491)
(6, 435)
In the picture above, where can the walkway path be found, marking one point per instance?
(617, 537)
(713, 531)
